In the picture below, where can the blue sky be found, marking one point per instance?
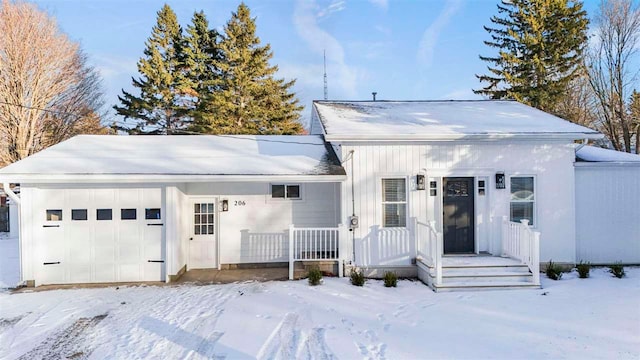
(400, 49)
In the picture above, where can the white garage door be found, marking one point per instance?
(97, 235)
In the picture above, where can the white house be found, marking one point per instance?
(442, 190)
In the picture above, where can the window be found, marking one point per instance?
(127, 214)
(204, 220)
(285, 191)
(79, 214)
(152, 214)
(433, 188)
(522, 199)
(394, 202)
(54, 215)
(103, 214)
(481, 187)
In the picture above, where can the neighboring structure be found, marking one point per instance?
(419, 182)
(607, 206)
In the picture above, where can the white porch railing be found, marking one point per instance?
(522, 243)
(429, 247)
(315, 244)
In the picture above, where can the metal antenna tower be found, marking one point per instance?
(326, 88)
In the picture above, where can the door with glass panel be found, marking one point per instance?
(202, 243)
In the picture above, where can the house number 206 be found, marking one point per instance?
(240, 203)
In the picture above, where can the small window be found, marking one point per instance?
(481, 187)
(285, 191)
(394, 202)
(127, 214)
(54, 215)
(79, 214)
(152, 214)
(522, 204)
(433, 188)
(103, 214)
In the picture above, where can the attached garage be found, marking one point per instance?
(96, 234)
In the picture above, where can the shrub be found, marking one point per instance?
(357, 278)
(390, 279)
(617, 270)
(554, 271)
(583, 269)
(314, 276)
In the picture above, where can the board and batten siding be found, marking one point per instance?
(550, 163)
(256, 227)
(608, 213)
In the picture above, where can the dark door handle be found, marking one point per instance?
(51, 263)
(190, 238)
(155, 261)
(50, 226)
(155, 224)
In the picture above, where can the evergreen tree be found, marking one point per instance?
(198, 53)
(248, 99)
(541, 44)
(158, 108)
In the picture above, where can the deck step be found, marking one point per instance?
(488, 277)
(481, 285)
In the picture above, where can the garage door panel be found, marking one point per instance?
(129, 198)
(130, 272)
(105, 272)
(79, 273)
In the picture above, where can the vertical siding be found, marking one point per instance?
(608, 213)
(551, 164)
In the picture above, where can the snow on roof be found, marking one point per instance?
(452, 119)
(596, 154)
(183, 155)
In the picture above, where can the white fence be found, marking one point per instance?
(315, 244)
(522, 243)
(429, 245)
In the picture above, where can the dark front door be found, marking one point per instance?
(458, 215)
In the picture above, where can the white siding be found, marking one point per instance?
(608, 213)
(257, 231)
(551, 164)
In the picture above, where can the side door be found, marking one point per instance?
(458, 216)
(203, 242)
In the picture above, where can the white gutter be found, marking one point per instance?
(13, 196)
(16, 199)
(84, 178)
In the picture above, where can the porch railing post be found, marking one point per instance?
(291, 251)
(438, 258)
(535, 258)
(505, 235)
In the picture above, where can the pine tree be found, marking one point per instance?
(248, 99)
(540, 44)
(198, 53)
(158, 108)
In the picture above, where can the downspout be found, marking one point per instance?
(580, 146)
(16, 199)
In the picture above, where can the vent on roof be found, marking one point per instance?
(374, 95)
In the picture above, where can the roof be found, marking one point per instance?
(596, 154)
(186, 157)
(442, 120)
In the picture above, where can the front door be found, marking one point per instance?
(202, 243)
(458, 215)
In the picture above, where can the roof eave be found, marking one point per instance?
(455, 137)
(161, 178)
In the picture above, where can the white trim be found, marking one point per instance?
(161, 178)
(606, 164)
(456, 137)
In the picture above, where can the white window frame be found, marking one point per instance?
(534, 222)
(286, 197)
(382, 202)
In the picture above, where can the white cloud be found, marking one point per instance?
(111, 67)
(432, 33)
(382, 4)
(334, 7)
(342, 77)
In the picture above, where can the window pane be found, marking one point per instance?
(277, 191)
(394, 215)
(210, 206)
(522, 188)
(203, 208)
(54, 215)
(152, 214)
(196, 208)
(79, 214)
(103, 214)
(210, 218)
(196, 219)
(293, 191)
(197, 230)
(393, 190)
(210, 229)
(128, 214)
(522, 210)
(204, 230)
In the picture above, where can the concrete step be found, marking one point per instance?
(482, 285)
(503, 276)
(489, 270)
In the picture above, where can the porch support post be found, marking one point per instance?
(535, 258)
(505, 234)
(439, 248)
(341, 249)
(291, 260)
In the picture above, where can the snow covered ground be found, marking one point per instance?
(572, 318)
(9, 262)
